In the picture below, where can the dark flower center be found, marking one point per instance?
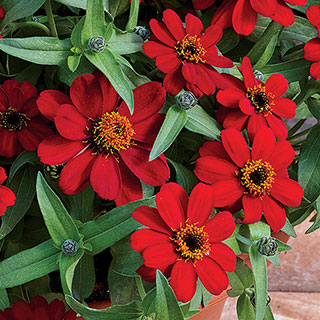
(13, 120)
(257, 177)
(259, 99)
(190, 49)
(111, 133)
(191, 242)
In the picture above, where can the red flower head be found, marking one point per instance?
(254, 104)
(312, 48)
(37, 309)
(258, 177)
(7, 197)
(21, 125)
(2, 13)
(242, 14)
(183, 242)
(100, 141)
(187, 55)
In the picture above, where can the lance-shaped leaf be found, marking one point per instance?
(133, 16)
(245, 309)
(125, 43)
(288, 229)
(259, 230)
(4, 300)
(57, 219)
(130, 311)
(175, 120)
(316, 223)
(28, 265)
(39, 50)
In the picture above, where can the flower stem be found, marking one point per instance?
(300, 134)
(296, 127)
(52, 24)
(140, 287)
(244, 240)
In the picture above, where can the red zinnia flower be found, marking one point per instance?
(258, 177)
(312, 48)
(21, 125)
(37, 309)
(187, 55)
(255, 104)
(242, 14)
(7, 197)
(100, 141)
(183, 242)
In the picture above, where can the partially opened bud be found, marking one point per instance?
(187, 100)
(97, 44)
(267, 246)
(142, 31)
(70, 247)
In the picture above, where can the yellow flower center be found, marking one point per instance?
(260, 100)
(190, 49)
(191, 242)
(111, 133)
(257, 177)
(13, 120)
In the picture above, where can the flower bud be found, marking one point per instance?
(258, 75)
(97, 44)
(143, 32)
(53, 172)
(70, 247)
(186, 100)
(267, 246)
(35, 19)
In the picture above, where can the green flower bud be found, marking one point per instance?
(258, 75)
(143, 32)
(97, 44)
(186, 100)
(70, 247)
(35, 19)
(267, 246)
(53, 172)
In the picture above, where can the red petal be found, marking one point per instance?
(212, 276)
(244, 18)
(223, 255)
(16, 98)
(263, 144)
(245, 106)
(205, 81)
(162, 33)
(313, 15)
(287, 191)
(220, 227)
(256, 121)
(235, 119)
(218, 61)
(149, 99)
(57, 308)
(7, 196)
(283, 15)
(210, 169)
(56, 150)
(183, 280)
(311, 50)
(30, 108)
(49, 102)
(189, 72)
(227, 192)
(21, 310)
(193, 25)
(234, 83)
(248, 77)
(315, 70)
(105, 177)
(252, 208)
(3, 175)
(284, 108)
(230, 97)
(202, 4)
(223, 16)
(168, 63)
(174, 82)
(160, 255)
(277, 84)
(274, 213)
(172, 201)
(265, 8)
(214, 149)
(75, 175)
(236, 146)
(70, 123)
(174, 24)
(8, 143)
(150, 217)
(38, 302)
(211, 36)
(153, 49)
(86, 95)
(153, 173)
(278, 126)
(200, 204)
(282, 155)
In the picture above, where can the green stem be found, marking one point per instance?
(300, 134)
(296, 127)
(17, 25)
(52, 24)
(133, 16)
(153, 72)
(244, 240)
(140, 287)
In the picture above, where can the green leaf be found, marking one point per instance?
(107, 63)
(131, 311)
(125, 43)
(57, 219)
(23, 185)
(200, 122)
(232, 241)
(133, 16)
(28, 265)
(282, 246)
(314, 107)
(167, 307)
(201, 297)
(67, 266)
(84, 277)
(17, 9)
(316, 223)
(259, 268)
(171, 127)
(4, 300)
(73, 62)
(309, 165)
(229, 40)
(245, 309)
(148, 302)
(259, 230)
(82, 204)
(268, 315)
(113, 226)
(117, 7)
(288, 229)
(23, 158)
(39, 50)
